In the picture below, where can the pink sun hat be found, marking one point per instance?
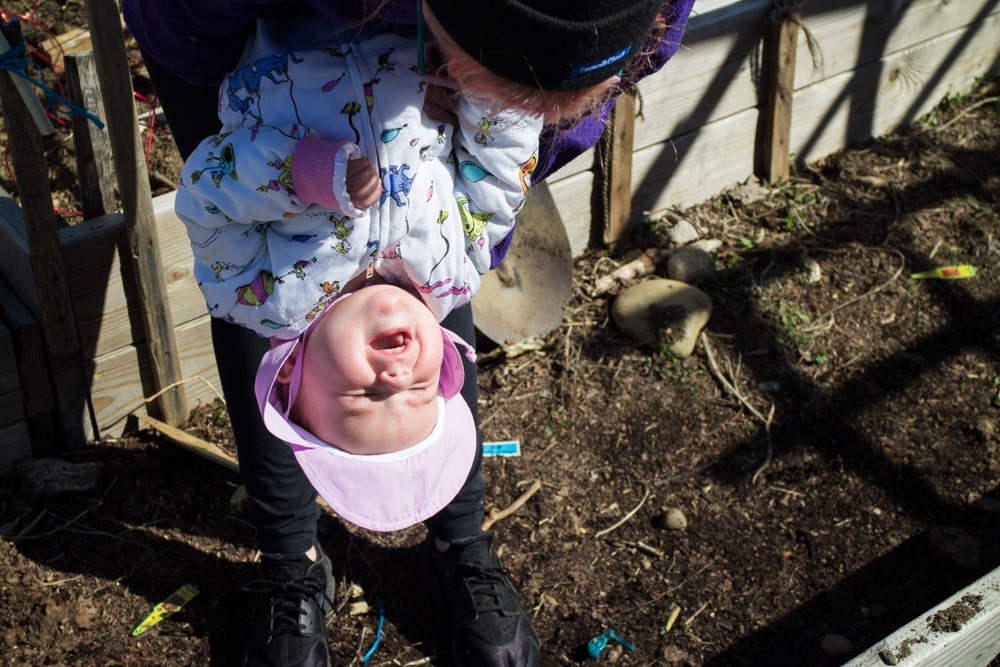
(381, 492)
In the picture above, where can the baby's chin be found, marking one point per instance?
(374, 449)
(370, 442)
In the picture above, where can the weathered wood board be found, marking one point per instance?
(103, 288)
(901, 87)
(122, 379)
(698, 131)
(848, 34)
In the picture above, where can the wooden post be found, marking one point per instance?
(779, 45)
(94, 158)
(35, 195)
(137, 203)
(50, 286)
(617, 177)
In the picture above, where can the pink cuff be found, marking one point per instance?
(319, 170)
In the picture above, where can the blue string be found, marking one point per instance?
(14, 61)
(378, 634)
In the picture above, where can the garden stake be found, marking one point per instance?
(947, 273)
(171, 605)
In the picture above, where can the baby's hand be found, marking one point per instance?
(363, 184)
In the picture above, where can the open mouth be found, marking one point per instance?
(391, 341)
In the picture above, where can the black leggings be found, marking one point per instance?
(285, 509)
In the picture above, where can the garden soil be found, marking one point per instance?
(832, 446)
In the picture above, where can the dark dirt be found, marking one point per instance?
(844, 482)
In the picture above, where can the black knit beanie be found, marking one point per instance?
(551, 44)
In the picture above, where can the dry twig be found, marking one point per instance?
(496, 515)
(731, 386)
(624, 518)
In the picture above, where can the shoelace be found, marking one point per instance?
(286, 601)
(485, 583)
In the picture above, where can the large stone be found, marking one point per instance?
(691, 265)
(663, 310)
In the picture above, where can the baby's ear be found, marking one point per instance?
(288, 367)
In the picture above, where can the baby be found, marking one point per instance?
(350, 202)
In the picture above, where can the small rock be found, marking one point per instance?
(690, 265)
(683, 232)
(834, 644)
(663, 310)
(674, 519)
(747, 193)
(888, 657)
(813, 268)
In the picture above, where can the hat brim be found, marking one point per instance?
(381, 492)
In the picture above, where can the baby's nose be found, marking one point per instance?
(397, 377)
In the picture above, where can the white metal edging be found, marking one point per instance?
(927, 641)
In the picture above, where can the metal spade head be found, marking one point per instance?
(524, 297)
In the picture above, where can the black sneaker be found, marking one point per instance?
(289, 622)
(489, 627)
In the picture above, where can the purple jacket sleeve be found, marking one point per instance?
(560, 146)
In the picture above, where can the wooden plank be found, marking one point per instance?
(94, 161)
(877, 98)
(120, 380)
(617, 178)
(713, 75)
(696, 165)
(848, 34)
(779, 68)
(686, 171)
(104, 292)
(573, 199)
(208, 450)
(130, 165)
(15, 446)
(921, 643)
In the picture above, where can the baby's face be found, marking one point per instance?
(371, 369)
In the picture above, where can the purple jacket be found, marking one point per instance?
(200, 40)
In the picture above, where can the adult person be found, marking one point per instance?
(188, 46)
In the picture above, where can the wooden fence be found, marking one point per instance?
(97, 317)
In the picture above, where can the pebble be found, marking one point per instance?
(690, 265)
(683, 232)
(674, 519)
(663, 309)
(834, 644)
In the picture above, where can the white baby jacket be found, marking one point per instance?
(273, 231)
